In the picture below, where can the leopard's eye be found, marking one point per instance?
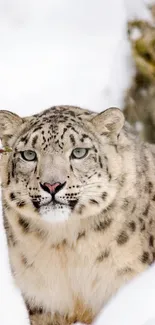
(79, 153)
(28, 155)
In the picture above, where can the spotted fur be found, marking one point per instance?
(72, 250)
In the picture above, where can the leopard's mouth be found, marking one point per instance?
(54, 203)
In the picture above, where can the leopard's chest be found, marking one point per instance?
(55, 278)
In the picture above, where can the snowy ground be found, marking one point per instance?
(68, 52)
(134, 304)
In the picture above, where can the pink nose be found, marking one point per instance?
(52, 187)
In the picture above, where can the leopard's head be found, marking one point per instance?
(64, 162)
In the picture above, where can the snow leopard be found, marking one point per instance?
(78, 196)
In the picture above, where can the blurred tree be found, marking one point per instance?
(139, 103)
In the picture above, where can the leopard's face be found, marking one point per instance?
(59, 167)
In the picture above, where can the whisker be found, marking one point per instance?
(90, 184)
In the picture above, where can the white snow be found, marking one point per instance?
(68, 52)
(134, 304)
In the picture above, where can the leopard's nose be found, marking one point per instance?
(52, 188)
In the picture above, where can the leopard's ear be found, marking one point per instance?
(109, 122)
(9, 125)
